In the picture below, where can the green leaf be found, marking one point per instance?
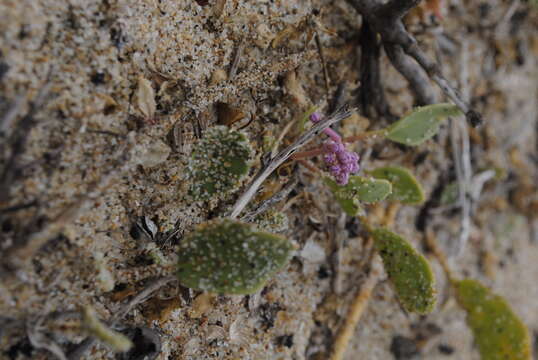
(421, 124)
(358, 189)
(230, 257)
(408, 271)
(405, 187)
(498, 332)
(219, 163)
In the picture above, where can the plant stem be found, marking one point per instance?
(308, 153)
(374, 134)
(431, 241)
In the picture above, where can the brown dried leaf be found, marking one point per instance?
(160, 309)
(145, 98)
(228, 114)
(201, 305)
(123, 294)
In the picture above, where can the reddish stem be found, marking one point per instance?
(308, 154)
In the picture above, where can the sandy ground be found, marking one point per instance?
(92, 57)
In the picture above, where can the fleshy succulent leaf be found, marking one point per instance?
(230, 257)
(405, 187)
(359, 190)
(497, 330)
(408, 271)
(421, 124)
(219, 163)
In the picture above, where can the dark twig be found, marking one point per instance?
(323, 63)
(371, 91)
(339, 97)
(396, 9)
(18, 207)
(19, 138)
(412, 72)
(386, 19)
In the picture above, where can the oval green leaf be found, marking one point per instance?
(219, 163)
(498, 332)
(230, 257)
(405, 187)
(409, 271)
(421, 124)
(359, 190)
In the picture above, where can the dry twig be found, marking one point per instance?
(266, 204)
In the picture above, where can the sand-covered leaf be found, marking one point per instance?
(498, 332)
(409, 271)
(219, 163)
(405, 187)
(230, 257)
(359, 190)
(421, 124)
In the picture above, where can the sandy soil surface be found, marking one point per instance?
(102, 80)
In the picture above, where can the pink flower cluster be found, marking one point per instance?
(341, 162)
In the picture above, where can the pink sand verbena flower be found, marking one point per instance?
(340, 162)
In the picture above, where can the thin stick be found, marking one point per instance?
(441, 257)
(374, 134)
(461, 156)
(282, 156)
(357, 309)
(323, 63)
(236, 60)
(266, 204)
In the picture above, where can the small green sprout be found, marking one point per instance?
(408, 271)
(230, 257)
(358, 190)
(219, 163)
(405, 187)
(498, 332)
